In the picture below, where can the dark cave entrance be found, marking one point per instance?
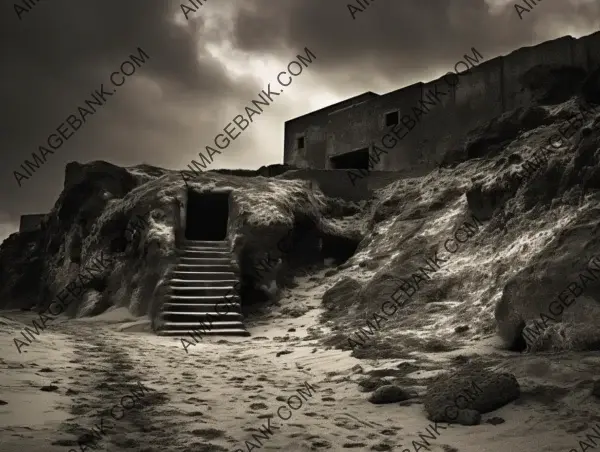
(519, 344)
(298, 249)
(207, 215)
(302, 250)
(340, 249)
(304, 244)
(351, 160)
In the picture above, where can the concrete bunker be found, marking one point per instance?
(358, 159)
(207, 215)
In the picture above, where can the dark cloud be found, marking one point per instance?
(61, 51)
(400, 39)
(175, 104)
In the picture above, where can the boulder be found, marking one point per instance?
(462, 397)
(388, 394)
(532, 295)
(371, 384)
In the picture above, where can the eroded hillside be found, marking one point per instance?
(483, 243)
(488, 242)
(127, 219)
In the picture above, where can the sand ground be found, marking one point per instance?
(216, 396)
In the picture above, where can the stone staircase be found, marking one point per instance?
(202, 278)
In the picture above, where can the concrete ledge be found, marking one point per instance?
(338, 184)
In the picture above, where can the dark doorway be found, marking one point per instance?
(351, 160)
(207, 215)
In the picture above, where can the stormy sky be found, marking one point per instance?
(204, 69)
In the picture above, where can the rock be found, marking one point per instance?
(532, 295)
(388, 394)
(381, 447)
(283, 352)
(292, 330)
(258, 406)
(484, 200)
(371, 384)
(461, 397)
(2, 402)
(468, 417)
(49, 388)
(461, 329)
(495, 420)
(407, 367)
(357, 369)
(46, 369)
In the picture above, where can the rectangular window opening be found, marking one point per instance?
(391, 119)
(300, 142)
(358, 159)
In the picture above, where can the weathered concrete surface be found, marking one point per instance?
(491, 87)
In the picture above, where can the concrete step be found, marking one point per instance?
(205, 260)
(189, 285)
(210, 243)
(222, 246)
(187, 326)
(203, 282)
(203, 276)
(202, 291)
(202, 299)
(210, 318)
(219, 332)
(208, 268)
(205, 253)
(197, 251)
(195, 307)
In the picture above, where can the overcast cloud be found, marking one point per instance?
(205, 70)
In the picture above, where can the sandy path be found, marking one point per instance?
(220, 393)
